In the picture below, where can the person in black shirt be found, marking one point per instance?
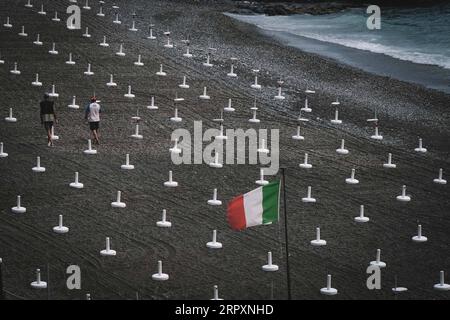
(48, 116)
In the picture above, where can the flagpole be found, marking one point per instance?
(286, 235)
(2, 295)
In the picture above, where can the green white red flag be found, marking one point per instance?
(257, 207)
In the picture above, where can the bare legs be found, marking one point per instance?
(49, 137)
(95, 134)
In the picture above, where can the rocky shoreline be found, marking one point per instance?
(289, 8)
(314, 7)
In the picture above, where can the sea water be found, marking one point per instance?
(413, 44)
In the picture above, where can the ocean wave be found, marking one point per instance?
(395, 52)
(419, 37)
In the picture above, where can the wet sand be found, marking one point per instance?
(406, 112)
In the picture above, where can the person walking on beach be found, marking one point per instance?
(92, 115)
(48, 117)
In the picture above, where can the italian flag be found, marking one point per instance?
(254, 208)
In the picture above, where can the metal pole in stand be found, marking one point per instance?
(2, 295)
(286, 235)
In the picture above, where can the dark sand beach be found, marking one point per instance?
(406, 112)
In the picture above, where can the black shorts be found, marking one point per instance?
(94, 125)
(48, 125)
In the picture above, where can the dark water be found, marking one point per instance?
(412, 44)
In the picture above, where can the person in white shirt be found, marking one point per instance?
(92, 115)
